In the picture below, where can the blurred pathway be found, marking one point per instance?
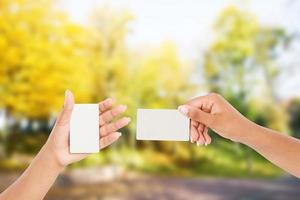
(166, 188)
(182, 188)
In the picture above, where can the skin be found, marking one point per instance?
(215, 112)
(54, 156)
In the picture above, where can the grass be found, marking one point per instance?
(220, 159)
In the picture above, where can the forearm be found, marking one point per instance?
(36, 180)
(280, 149)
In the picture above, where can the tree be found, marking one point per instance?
(108, 51)
(241, 65)
(158, 78)
(293, 108)
(241, 62)
(152, 78)
(43, 55)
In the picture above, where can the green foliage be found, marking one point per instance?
(219, 159)
(240, 64)
(293, 108)
(241, 60)
(29, 143)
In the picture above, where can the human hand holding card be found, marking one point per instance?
(162, 124)
(93, 126)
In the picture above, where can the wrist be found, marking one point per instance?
(242, 130)
(248, 132)
(49, 156)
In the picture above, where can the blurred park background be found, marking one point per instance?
(150, 54)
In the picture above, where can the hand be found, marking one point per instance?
(215, 112)
(58, 142)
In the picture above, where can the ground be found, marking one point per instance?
(164, 188)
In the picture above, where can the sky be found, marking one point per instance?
(189, 23)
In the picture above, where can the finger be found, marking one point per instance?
(105, 105)
(109, 139)
(65, 115)
(201, 128)
(206, 137)
(206, 108)
(193, 131)
(208, 99)
(196, 114)
(110, 114)
(201, 139)
(197, 102)
(114, 126)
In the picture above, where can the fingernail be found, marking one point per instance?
(183, 109)
(205, 143)
(128, 119)
(110, 100)
(198, 144)
(119, 134)
(192, 141)
(123, 107)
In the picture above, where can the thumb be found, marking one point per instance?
(196, 114)
(65, 115)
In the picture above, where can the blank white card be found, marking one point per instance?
(84, 129)
(162, 124)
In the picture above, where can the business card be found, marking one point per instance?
(162, 125)
(84, 129)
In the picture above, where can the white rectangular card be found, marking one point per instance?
(162, 124)
(84, 129)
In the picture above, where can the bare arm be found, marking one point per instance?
(280, 149)
(215, 112)
(35, 182)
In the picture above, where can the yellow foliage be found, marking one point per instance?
(40, 59)
(44, 54)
